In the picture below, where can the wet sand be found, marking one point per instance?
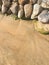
(20, 44)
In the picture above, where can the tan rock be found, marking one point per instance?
(28, 10)
(42, 28)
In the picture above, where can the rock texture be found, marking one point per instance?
(21, 11)
(14, 8)
(32, 9)
(42, 28)
(28, 10)
(32, 1)
(44, 17)
(36, 10)
(0, 4)
(45, 3)
(22, 2)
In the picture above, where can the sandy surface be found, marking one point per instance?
(20, 44)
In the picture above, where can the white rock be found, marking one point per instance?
(36, 10)
(20, 13)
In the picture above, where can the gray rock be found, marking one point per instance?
(28, 10)
(36, 10)
(44, 16)
(14, 8)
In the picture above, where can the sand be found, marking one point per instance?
(21, 44)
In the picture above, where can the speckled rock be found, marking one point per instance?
(28, 10)
(14, 8)
(44, 16)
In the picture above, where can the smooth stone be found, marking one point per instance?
(28, 10)
(20, 13)
(44, 16)
(36, 10)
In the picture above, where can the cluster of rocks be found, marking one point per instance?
(33, 9)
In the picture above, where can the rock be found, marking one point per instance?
(32, 1)
(22, 2)
(5, 6)
(6, 3)
(9, 12)
(0, 7)
(20, 13)
(42, 28)
(36, 10)
(21, 7)
(45, 3)
(4, 9)
(39, 2)
(15, 0)
(0, 4)
(14, 8)
(28, 10)
(44, 16)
